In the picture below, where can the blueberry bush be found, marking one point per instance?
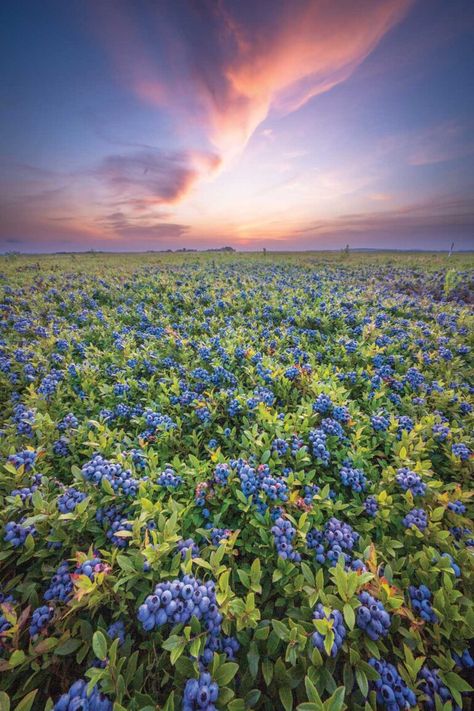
(236, 482)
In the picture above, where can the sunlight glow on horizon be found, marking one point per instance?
(296, 126)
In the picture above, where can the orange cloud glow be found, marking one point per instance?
(312, 48)
(302, 50)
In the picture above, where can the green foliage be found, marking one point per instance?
(185, 333)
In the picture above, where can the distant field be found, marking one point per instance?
(257, 467)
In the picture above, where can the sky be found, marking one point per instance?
(131, 125)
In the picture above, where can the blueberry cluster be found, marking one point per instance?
(460, 533)
(234, 408)
(421, 603)
(371, 506)
(462, 451)
(283, 535)
(230, 646)
(25, 459)
(410, 481)
(116, 526)
(154, 420)
(91, 568)
(60, 587)
(188, 545)
(432, 686)
(372, 617)
(341, 414)
(221, 474)
(105, 515)
(24, 418)
(169, 478)
(219, 534)
(323, 404)
(49, 384)
(336, 538)
(441, 432)
(310, 492)
(317, 440)
(16, 533)
(26, 492)
(117, 631)
(61, 447)
(249, 482)
(405, 424)
(338, 627)
(138, 458)
(77, 699)
(416, 518)
(454, 566)
(121, 480)
(68, 501)
(200, 694)
(257, 481)
(296, 444)
(292, 373)
(40, 619)
(274, 488)
(69, 422)
(353, 478)
(380, 423)
(457, 507)
(333, 428)
(178, 601)
(464, 660)
(280, 446)
(200, 497)
(392, 693)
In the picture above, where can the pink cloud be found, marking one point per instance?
(152, 175)
(244, 68)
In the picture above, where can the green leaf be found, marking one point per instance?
(107, 486)
(286, 697)
(267, 671)
(169, 705)
(308, 575)
(362, 681)
(349, 615)
(336, 701)
(4, 701)
(226, 673)
(17, 658)
(256, 571)
(328, 642)
(281, 630)
(437, 513)
(27, 701)
(252, 697)
(311, 690)
(99, 645)
(454, 681)
(177, 652)
(172, 642)
(236, 705)
(253, 658)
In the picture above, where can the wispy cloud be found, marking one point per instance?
(438, 143)
(162, 177)
(227, 69)
(442, 211)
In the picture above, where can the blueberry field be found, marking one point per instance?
(236, 482)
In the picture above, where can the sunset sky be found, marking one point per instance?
(296, 124)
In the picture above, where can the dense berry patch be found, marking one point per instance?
(235, 482)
